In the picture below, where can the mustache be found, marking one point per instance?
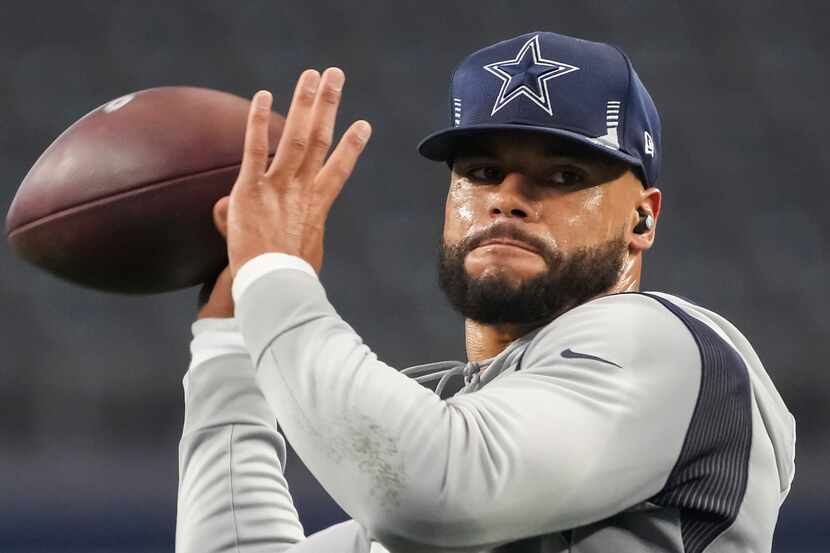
(505, 230)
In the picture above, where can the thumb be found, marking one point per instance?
(220, 215)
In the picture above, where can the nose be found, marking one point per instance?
(511, 198)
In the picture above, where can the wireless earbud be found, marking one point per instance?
(646, 223)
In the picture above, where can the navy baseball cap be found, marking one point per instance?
(584, 92)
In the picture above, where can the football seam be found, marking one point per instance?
(113, 197)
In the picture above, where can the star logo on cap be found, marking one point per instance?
(527, 75)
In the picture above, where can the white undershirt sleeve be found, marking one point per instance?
(566, 441)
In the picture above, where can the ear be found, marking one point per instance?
(649, 203)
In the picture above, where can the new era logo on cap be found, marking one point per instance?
(582, 91)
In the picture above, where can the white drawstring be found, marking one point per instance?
(444, 370)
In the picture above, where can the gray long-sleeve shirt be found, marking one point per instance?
(634, 422)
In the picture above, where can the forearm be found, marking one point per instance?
(411, 468)
(357, 424)
(233, 496)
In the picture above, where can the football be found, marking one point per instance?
(122, 200)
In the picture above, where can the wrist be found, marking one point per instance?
(263, 264)
(216, 310)
(215, 300)
(215, 337)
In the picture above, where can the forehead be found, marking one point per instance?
(528, 147)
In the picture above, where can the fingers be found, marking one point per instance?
(255, 153)
(295, 135)
(307, 138)
(220, 215)
(323, 119)
(341, 163)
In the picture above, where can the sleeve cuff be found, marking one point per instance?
(214, 337)
(263, 264)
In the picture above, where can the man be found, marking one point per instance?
(592, 417)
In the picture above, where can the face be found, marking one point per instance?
(532, 227)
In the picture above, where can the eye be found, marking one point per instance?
(487, 173)
(567, 177)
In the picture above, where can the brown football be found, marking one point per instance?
(122, 200)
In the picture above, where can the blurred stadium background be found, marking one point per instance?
(90, 384)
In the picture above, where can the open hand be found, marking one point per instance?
(284, 207)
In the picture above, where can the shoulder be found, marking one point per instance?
(629, 312)
(632, 328)
(647, 330)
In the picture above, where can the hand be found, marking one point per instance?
(216, 295)
(284, 207)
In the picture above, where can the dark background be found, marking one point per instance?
(90, 383)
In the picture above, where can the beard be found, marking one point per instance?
(495, 299)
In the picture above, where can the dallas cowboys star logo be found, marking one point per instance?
(527, 75)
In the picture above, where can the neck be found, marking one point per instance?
(485, 341)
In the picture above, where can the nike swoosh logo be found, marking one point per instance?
(571, 354)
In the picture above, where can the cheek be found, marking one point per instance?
(585, 220)
(460, 212)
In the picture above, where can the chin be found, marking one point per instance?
(503, 269)
(505, 274)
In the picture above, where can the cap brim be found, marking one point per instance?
(441, 145)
